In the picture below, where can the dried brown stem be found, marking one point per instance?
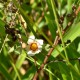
(57, 39)
(77, 11)
(46, 58)
(72, 20)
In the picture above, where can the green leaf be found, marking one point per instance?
(65, 71)
(21, 59)
(4, 71)
(71, 34)
(2, 23)
(69, 6)
(51, 26)
(2, 29)
(4, 64)
(19, 62)
(49, 19)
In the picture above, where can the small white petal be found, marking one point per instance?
(39, 46)
(38, 51)
(30, 53)
(40, 41)
(31, 39)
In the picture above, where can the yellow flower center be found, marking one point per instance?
(34, 46)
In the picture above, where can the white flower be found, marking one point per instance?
(34, 46)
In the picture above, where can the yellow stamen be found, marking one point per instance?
(34, 46)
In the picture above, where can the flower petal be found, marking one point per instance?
(31, 39)
(39, 46)
(38, 51)
(30, 53)
(40, 41)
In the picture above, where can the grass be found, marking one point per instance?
(43, 20)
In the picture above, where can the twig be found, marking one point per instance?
(57, 39)
(74, 15)
(46, 58)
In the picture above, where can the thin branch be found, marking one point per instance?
(59, 28)
(57, 39)
(72, 20)
(46, 58)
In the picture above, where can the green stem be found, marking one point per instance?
(50, 76)
(58, 27)
(69, 6)
(72, 78)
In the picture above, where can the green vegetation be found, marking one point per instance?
(55, 24)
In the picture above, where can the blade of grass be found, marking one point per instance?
(16, 71)
(58, 27)
(51, 73)
(20, 60)
(69, 6)
(69, 64)
(5, 72)
(50, 76)
(64, 71)
(18, 64)
(2, 24)
(32, 60)
(72, 78)
(71, 34)
(49, 19)
(3, 43)
(2, 29)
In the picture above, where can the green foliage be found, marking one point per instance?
(20, 19)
